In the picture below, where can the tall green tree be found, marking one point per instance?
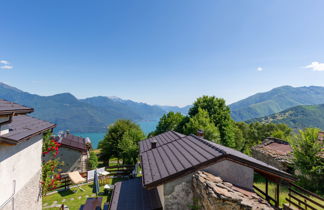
(128, 146)
(201, 121)
(93, 160)
(307, 159)
(219, 113)
(110, 145)
(168, 122)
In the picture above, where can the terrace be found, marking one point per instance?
(67, 196)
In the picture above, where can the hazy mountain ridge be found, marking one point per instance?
(95, 113)
(276, 100)
(298, 117)
(85, 115)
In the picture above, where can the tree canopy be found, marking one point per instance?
(219, 113)
(307, 159)
(168, 122)
(201, 121)
(121, 135)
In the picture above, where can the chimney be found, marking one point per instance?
(67, 132)
(153, 144)
(200, 133)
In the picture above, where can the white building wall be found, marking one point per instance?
(21, 163)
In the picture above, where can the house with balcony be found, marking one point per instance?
(183, 172)
(20, 157)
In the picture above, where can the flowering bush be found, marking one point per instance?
(50, 171)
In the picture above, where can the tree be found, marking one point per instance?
(128, 146)
(93, 160)
(219, 113)
(307, 159)
(201, 121)
(110, 145)
(168, 122)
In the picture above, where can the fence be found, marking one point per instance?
(114, 171)
(304, 199)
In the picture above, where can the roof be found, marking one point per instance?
(274, 147)
(7, 107)
(23, 127)
(174, 157)
(161, 139)
(130, 194)
(74, 142)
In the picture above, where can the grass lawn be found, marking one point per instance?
(75, 200)
(259, 181)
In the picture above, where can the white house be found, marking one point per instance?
(20, 157)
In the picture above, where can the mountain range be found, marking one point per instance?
(95, 113)
(297, 117)
(85, 115)
(276, 100)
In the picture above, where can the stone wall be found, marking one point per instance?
(178, 194)
(281, 162)
(211, 192)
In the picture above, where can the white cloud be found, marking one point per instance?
(4, 62)
(6, 67)
(259, 69)
(316, 66)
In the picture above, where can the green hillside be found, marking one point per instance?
(276, 100)
(298, 117)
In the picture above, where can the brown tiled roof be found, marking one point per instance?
(23, 127)
(177, 157)
(130, 194)
(74, 142)
(7, 107)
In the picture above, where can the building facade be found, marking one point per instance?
(20, 157)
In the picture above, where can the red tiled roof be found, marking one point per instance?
(23, 127)
(7, 107)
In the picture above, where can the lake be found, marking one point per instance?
(147, 127)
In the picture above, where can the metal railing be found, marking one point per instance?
(11, 197)
(304, 199)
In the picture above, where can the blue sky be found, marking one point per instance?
(161, 51)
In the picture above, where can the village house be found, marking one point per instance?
(184, 172)
(20, 157)
(275, 152)
(73, 152)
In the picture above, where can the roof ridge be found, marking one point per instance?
(176, 133)
(204, 141)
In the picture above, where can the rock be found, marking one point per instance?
(211, 192)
